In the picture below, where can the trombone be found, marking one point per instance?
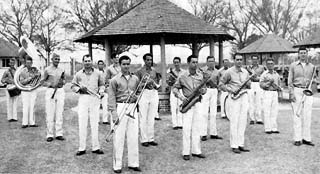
(128, 110)
(306, 92)
(88, 90)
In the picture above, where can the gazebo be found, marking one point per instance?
(7, 50)
(313, 41)
(155, 22)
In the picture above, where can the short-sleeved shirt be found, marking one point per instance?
(267, 77)
(214, 77)
(8, 75)
(93, 80)
(154, 75)
(52, 76)
(234, 78)
(222, 71)
(258, 70)
(299, 75)
(175, 72)
(188, 82)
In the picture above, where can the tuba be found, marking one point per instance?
(29, 49)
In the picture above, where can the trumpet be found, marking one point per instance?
(128, 109)
(89, 90)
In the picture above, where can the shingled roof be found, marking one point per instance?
(150, 19)
(8, 49)
(312, 41)
(270, 43)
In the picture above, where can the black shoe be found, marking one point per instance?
(106, 123)
(13, 120)
(268, 132)
(145, 144)
(259, 122)
(242, 149)
(79, 153)
(236, 150)
(203, 138)
(61, 138)
(152, 143)
(275, 132)
(251, 122)
(34, 125)
(117, 171)
(180, 127)
(175, 128)
(186, 157)
(49, 139)
(199, 155)
(137, 169)
(307, 143)
(297, 143)
(24, 126)
(99, 152)
(224, 117)
(215, 137)
(157, 119)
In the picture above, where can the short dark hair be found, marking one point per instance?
(177, 58)
(87, 55)
(100, 61)
(210, 57)
(302, 49)
(147, 54)
(29, 58)
(12, 59)
(113, 55)
(190, 57)
(237, 54)
(124, 58)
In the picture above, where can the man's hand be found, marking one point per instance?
(133, 99)
(292, 98)
(83, 89)
(183, 99)
(114, 116)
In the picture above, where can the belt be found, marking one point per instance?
(211, 87)
(125, 102)
(255, 80)
(53, 87)
(270, 90)
(299, 86)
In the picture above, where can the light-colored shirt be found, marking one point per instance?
(52, 76)
(187, 83)
(233, 79)
(299, 76)
(153, 75)
(222, 71)
(266, 80)
(92, 80)
(27, 73)
(258, 70)
(213, 75)
(120, 88)
(7, 77)
(170, 80)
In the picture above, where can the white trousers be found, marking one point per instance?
(105, 113)
(255, 99)
(88, 107)
(209, 112)
(28, 101)
(191, 130)
(270, 110)
(148, 107)
(302, 124)
(175, 113)
(238, 120)
(222, 98)
(54, 109)
(11, 106)
(127, 127)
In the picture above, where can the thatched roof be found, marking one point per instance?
(149, 20)
(8, 49)
(312, 41)
(270, 43)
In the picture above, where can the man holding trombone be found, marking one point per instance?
(122, 104)
(301, 75)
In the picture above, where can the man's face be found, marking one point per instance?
(176, 63)
(303, 55)
(210, 62)
(28, 63)
(226, 63)
(11, 63)
(100, 65)
(238, 60)
(116, 60)
(125, 65)
(56, 60)
(87, 62)
(148, 61)
(255, 60)
(193, 64)
(270, 65)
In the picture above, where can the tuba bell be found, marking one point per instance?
(29, 49)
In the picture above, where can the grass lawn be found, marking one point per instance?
(26, 151)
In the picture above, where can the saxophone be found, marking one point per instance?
(238, 93)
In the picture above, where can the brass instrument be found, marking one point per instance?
(306, 92)
(88, 90)
(56, 87)
(238, 93)
(128, 109)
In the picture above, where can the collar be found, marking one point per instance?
(101, 70)
(272, 72)
(208, 68)
(299, 62)
(238, 70)
(83, 70)
(189, 74)
(145, 67)
(122, 75)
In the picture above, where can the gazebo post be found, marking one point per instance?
(194, 49)
(107, 48)
(220, 53)
(151, 49)
(90, 48)
(163, 63)
(211, 46)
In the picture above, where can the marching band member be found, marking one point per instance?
(209, 101)
(54, 80)
(187, 82)
(111, 71)
(231, 81)
(121, 87)
(28, 97)
(88, 79)
(148, 105)
(173, 74)
(104, 100)
(224, 94)
(7, 79)
(270, 83)
(255, 94)
(300, 75)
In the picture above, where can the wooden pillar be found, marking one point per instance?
(194, 49)
(90, 49)
(220, 53)
(163, 63)
(211, 47)
(151, 49)
(108, 51)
